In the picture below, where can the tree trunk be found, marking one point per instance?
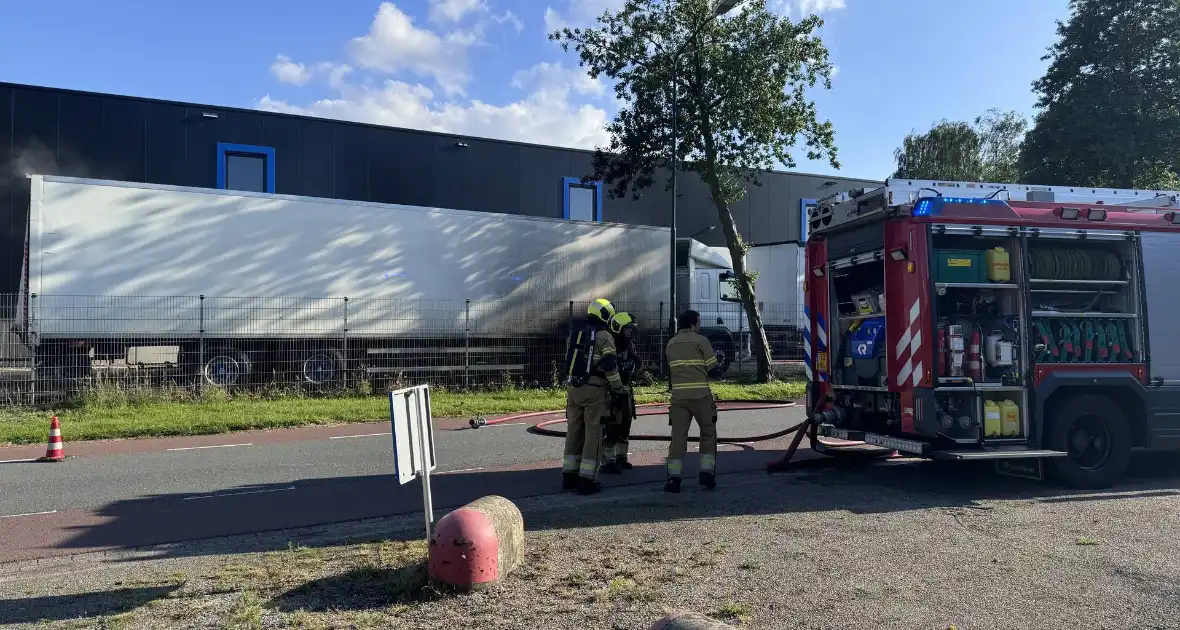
(759, 345)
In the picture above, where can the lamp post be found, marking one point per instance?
(721, 7)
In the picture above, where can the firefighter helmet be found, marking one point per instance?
(621, 321)
(601, 309)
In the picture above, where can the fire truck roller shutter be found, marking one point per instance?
(1161, 270)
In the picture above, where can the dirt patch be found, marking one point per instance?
(895, 544)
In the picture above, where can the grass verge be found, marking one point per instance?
(111, 417)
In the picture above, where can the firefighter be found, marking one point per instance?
(592, 369)
(617, 425)
(691, 363)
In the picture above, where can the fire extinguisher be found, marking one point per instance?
(944, 367)
(974, 362)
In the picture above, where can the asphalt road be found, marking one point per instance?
(233, 484)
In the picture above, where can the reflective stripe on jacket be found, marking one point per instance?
(690, 357)
(606, 361)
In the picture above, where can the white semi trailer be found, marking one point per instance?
(229, 282)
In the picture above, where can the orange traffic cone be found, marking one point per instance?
(54, 452)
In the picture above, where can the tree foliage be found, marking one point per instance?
(1110, 100)
(738, 86)
(986, 151)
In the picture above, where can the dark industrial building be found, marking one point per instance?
(65, 132)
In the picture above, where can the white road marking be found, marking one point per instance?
(197, 448)
(238, 494)
(18, 461)
(347, 437)
(29, 514)
(504, 424)
(451, 472)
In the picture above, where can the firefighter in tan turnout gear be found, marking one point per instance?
(591, 369)
(617, 423)
(691, 363)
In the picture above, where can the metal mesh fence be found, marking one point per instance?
(186, 346)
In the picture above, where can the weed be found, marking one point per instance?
(246, 613)
(236, 576)
(575, 579)
(735, 611)
(304, 620)
(1086, 541)
(115, 622)
(622, 588)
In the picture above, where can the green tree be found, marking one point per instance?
(987, 151)
(734, 89)
(1109, 103)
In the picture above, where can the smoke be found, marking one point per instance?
(35, 158)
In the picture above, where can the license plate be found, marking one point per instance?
(1023, 468)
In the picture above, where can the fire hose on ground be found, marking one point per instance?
(656, 409)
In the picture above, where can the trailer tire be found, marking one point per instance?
(1097, 436)
(226, 367)
(321, 367)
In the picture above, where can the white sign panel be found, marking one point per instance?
(413, 438)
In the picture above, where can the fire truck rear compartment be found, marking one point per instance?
(862, 401)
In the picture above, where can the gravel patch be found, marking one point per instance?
(895, 545)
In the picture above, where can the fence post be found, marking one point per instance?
(201, 346)
(741, 309)
(467, 344)
(344, 353)
(660, 349)
(33, 330)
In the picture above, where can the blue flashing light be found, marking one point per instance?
(932, 206)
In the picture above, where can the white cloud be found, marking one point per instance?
(288, 71)
(510, 18)
(393, 44)
(546, 115)
(336, 72)
(578, 13)
(454, 10)
(803, 8)
(547, 76)
(398, 64)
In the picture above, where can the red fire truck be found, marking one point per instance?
(1030, 325)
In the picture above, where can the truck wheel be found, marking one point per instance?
(322, 367)
(226, 367)
(1096, 435)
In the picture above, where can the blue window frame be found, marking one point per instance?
(245, 167)
(803, 205)
(581, 201)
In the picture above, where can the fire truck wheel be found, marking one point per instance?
(1097, 436)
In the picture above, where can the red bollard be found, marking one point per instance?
(477, 545)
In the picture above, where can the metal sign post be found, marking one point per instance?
(413, 442)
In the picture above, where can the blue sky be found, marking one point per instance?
(484, 67)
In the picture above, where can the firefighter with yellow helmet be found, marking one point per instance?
(691, 363)
(617, 424)
(591, 369)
